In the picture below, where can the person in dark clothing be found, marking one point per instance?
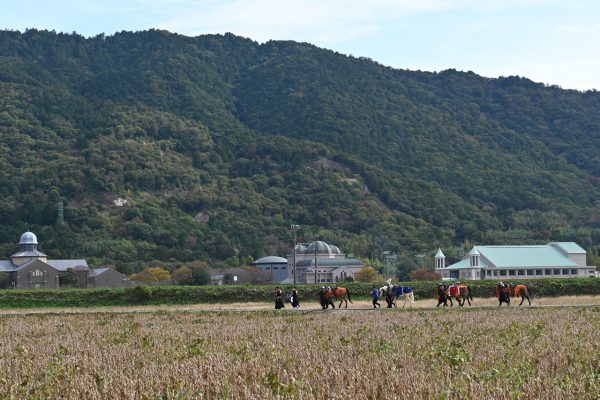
(278, 299)
(295, 302)
(375, 293)
(322, 299)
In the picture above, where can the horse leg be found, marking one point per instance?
(522, 300)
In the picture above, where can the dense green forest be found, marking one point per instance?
(219, 143)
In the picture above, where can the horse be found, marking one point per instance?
(522, 291)
(397, 292)
(463, 293)
(503, 294)
(341, 294)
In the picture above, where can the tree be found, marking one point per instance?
(182, 276)
(201, 276)
(228, 279)
(151, 276)
(424, 275)
(367, 274)
(68, 278)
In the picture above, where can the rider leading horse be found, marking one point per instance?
(339, 293)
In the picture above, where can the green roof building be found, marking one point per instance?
(553, 260)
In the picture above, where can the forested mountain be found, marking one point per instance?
(219, 143)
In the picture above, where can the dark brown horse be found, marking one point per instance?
(522, 291)
(341, 294)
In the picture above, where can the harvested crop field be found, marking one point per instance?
(488, 353)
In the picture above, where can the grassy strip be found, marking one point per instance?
(252, 293)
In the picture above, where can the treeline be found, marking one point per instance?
(218, 144)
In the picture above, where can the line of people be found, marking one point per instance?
(293, 298)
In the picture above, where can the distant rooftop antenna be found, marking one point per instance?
(60, 219)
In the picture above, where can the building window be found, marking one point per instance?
(503, 273)
(530, 272)
(539, 272)
(591, 271)
(574, 272)
(521, 272)
(488, 273)
(495, 273)
(511, 272)
(565, 272)
(557, 271)
(548, 272)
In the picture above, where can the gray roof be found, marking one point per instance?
(29, 253)
(63, 265)
(97, 271)
(270, 260)
(6, 266)
(335, 262)
(322, 248)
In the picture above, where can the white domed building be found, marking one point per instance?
(29, 268)
(319, 262)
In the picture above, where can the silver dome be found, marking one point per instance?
(28, 238)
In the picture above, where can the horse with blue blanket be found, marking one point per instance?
(396, 292)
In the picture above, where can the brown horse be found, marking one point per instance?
(522, 291)
(463, 293)
(341, 294)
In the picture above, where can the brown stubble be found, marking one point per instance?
(485, 353)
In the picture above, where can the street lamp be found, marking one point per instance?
(294, 229)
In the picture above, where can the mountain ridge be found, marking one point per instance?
(223, 125)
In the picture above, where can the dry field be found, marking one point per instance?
(479, 353)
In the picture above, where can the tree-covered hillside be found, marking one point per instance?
(218, 144)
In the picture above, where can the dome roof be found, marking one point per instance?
(322, 248)
(28, 238)
(271, 260)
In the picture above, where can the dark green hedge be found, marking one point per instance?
(250, 293)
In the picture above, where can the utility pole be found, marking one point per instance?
(315, 246)
(60, 217)
(294, 228)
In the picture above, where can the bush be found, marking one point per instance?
(249, 293)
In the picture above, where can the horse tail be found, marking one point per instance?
(529, 292)
(349, 299)
(469, 292)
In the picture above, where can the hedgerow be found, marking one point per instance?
(254, 293)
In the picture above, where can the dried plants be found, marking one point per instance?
(419, 354)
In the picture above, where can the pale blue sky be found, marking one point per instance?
(550, 41)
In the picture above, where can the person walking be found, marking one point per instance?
(278, 299)
(375, 293)
(295, 302)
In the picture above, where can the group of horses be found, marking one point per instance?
(327, 295)
(463, 293)
(460, 292)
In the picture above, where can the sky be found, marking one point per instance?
(556, 42)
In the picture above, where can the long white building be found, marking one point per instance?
(553, 260)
